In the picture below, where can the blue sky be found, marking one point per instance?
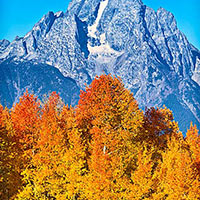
(17, 17)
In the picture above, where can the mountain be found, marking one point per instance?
(40, 79)
(122, 37)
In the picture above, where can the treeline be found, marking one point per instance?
(105, 148)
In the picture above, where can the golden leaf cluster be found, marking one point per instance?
(105, 148)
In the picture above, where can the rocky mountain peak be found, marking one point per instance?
(3, 44)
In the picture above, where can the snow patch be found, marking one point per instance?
(58, 14)
(104, 48)
(105, 54)
(103, 38)
(92, 29)
(49, 63)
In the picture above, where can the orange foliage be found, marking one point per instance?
(25, 119)
(142, 183)
(110, 118)
(58, 161)
(193, 141)
(105, 148)
(10, 159)
(176, 175)
(158, 124)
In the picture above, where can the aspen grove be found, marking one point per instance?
(105, 148)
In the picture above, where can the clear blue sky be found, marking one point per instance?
(17, 17)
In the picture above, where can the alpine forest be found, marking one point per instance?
(105, 148)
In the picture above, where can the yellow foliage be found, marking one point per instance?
(104, 149)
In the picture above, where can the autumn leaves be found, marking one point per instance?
(105, 148)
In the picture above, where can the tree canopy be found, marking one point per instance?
(104, 148)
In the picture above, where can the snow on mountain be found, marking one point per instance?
(123, 37)
(93, 28)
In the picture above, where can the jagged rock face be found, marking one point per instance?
(122, 37)
(3, 45)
